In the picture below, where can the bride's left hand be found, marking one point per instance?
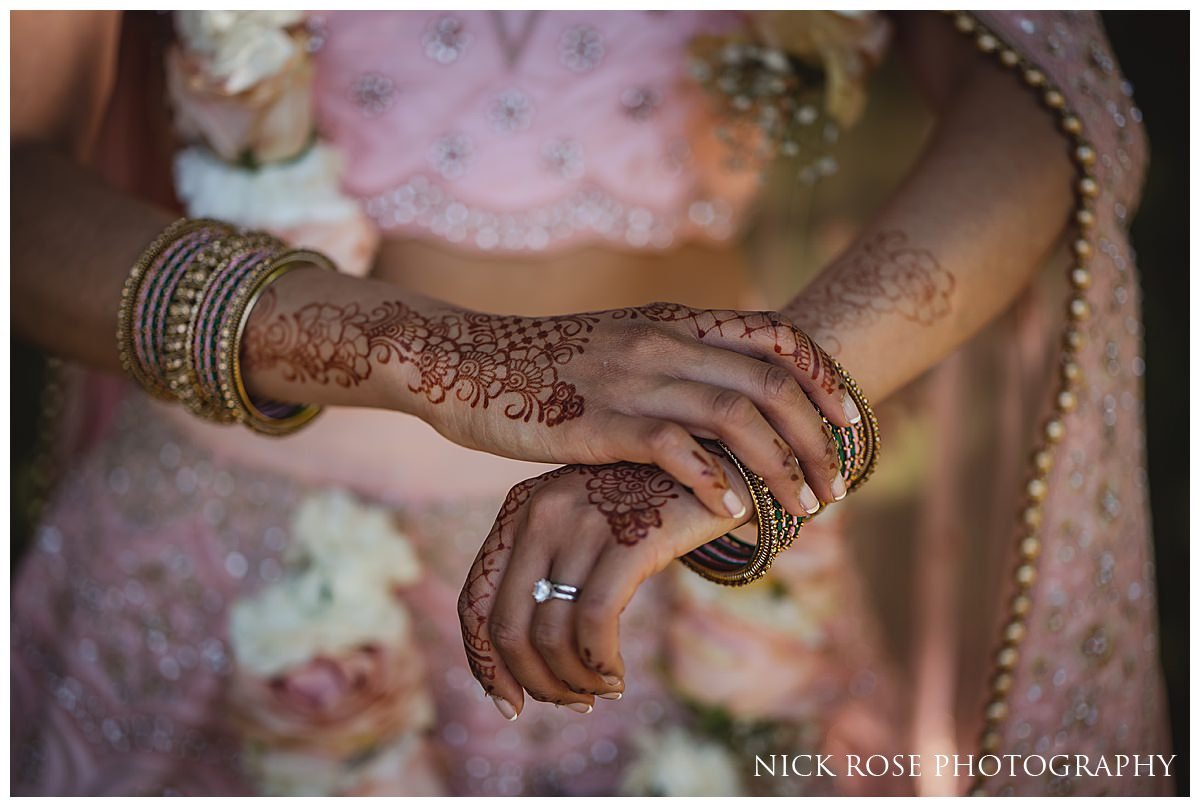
(604, 529)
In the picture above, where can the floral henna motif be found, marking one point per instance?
(476, 357)
(630, 497)
(885, 275)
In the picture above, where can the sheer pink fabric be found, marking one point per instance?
(122, 667)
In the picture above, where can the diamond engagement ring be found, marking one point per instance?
(546, 589)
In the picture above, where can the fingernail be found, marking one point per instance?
(809, 499)
(851, 409)
(734, 505)
(610, 696)
(582, 708)
(838, 485)
(506, 708)
(611, 680)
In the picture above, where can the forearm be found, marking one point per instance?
(953, 247)
(74, 241)
(327, 338)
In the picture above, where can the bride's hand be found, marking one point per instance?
(624, 385)
(604, 529)
(639, 385)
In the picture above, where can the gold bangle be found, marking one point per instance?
(130, 291)
(203, 399)
(858, 445)
(729, 560)
(233, 389)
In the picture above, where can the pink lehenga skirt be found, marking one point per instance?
(156, 553)
(159, 644)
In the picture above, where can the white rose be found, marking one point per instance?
(299, 201)
(400, 766)
(244, 47)
(274, 196)
(313, 611)
(674, 763)
(357, 540)
(343, 564)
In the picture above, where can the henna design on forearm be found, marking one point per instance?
(784, 338)
(884, 275)
(478, 357)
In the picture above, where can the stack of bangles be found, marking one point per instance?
(733, 562)
(184, 309)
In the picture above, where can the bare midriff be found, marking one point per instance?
(583, 279)
(398, 457)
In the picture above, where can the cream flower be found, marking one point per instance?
(243, 47)
(782, 633)
(318, 611)
(271, 120)
(272, 196)
(299, 201)
(405, 766)
(674, 763)
(337, 531)
(343, 565)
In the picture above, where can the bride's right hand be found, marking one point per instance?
(634, 385)
(638, 385)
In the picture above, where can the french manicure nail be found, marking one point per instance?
(838, 486)
(506, 708)
(582, 708)
(851, 409)
(611, 680)
(809, 499)
(611, 696)
(734, 505)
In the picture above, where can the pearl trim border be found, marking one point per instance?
(1029, 543)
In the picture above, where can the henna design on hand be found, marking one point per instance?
(884, 275)
(789, 342)
(478, 357)
(630, 497)
(474, 601)
(712, 470)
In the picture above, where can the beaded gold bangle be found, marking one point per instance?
(188, 308)
(131, 293)
(729, 560)
(236, 398)
(184, 308)
(858, 446)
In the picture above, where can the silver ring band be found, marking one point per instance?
(546, 589)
